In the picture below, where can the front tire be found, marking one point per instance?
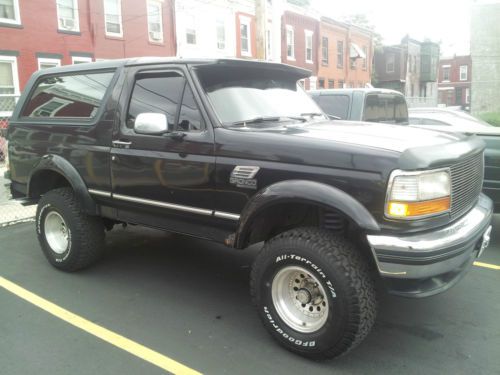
(313, 292)
(70, 239)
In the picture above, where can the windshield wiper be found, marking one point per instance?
(312, 114)
(261, 119)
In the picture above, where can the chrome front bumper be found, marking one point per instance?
(428, 263)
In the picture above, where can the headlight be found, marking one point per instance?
(413, 195)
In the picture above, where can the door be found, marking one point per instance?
(164, 180)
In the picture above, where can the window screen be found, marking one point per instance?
(334, 105)
(70, 96)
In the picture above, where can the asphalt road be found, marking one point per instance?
(188, 300)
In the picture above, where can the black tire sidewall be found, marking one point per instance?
(43, 210)
(335, 288)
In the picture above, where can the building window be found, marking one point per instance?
(467, 95)
(67, 15)
(269, 50)
(389, 63)
(80, 59)
(353, 63)
(245, 48)
(324, 50)
(321, 83)
(44, 63)
(463, 72)
(190, 36)
(365, 51)
(221, 34)
(340, 54)
(446, 73)
(9, 84)
(9, 12)
(341, 84)
(309, 46)
(113, 17)
(155, 21)
(290, 43)
(331, 84)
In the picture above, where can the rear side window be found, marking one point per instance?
(68, 96)
(385, 108)
(335, 105)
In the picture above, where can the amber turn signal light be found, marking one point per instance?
(423, 208)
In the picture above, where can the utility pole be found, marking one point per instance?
(260, 28)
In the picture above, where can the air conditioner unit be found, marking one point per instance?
(156, 35)
(67, 23)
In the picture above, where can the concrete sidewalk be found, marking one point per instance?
(10, 211)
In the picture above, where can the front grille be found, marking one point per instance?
(466, 184)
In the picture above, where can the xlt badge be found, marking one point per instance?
(242, 176)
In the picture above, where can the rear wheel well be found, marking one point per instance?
(44, 181)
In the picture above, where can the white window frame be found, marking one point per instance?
(76, 19)
(159, 5)
(220, 22)
(465, 70)
(289, 28)
(46, 60)
(80, 59)
(467, 95)
(308, 35)
(247, 22)
(110, 33)
(15, 80)
(17, 15)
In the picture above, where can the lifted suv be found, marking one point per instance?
(234, 151)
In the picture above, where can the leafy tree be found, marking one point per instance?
(300, 3)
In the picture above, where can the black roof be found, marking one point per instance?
(118, 63)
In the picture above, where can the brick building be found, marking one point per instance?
(345, 54)
(36, 35)
(299, 43)
(454, 81)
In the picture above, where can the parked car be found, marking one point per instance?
(235, 151)
(459, 121)
(372, 105)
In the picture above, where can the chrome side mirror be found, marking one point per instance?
(151, 123)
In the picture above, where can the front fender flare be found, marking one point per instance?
(60, 165)
(303, 191)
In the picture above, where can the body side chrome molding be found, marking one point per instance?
(172, 206)
(101, 193)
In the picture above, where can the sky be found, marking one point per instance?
(445, 21)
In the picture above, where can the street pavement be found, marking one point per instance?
(188, 299)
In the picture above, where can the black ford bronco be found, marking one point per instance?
(236, 152)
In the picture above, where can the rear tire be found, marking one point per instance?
(70, 239)
(314, 292)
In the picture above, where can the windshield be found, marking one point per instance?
(264, 96)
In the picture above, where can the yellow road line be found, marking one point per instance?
(115, 339)
(487, 265)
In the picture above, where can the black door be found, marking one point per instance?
(164, 180)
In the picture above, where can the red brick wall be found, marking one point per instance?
(39, 34)
(300, 23)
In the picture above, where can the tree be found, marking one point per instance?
(361, 20)
(300, 3)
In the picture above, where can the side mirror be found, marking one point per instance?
(151, 123)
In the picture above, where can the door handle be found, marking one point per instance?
(121, 144)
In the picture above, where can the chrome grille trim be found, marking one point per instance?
(466, 184)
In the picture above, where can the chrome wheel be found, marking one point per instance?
(56, 232)
(299, 299)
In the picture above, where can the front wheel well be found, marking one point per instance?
(285, 216)
(45, 180)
